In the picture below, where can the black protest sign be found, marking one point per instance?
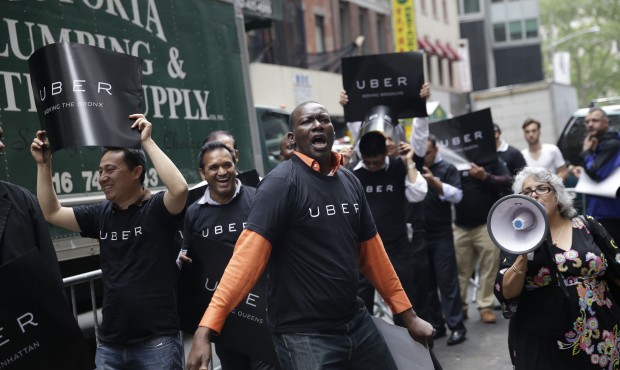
(245, 329)
(37, 328)
(249, 178)
(85, 94)
(393, 79)
(467, 138)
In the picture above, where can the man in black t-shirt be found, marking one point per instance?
(390, 183)
(310, 225)
(135, 229)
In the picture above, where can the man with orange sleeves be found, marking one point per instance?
(311, 226)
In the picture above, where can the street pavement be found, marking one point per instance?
(486, 346)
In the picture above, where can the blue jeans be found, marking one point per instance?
(158, 353)
(357, 344)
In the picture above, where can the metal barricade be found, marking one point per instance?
(88, 277)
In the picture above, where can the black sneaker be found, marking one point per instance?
(457, 337)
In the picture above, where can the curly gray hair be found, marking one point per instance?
(563, 197)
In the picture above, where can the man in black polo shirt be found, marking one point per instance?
(311, 226)
(135, 229)
(389, 184)
(220, 215)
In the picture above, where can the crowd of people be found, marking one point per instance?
(330, 229)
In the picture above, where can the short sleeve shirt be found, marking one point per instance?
(313, 223)
(138, 267)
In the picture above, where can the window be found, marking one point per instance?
(471, 6)
(515, 30)
(434, 6)
(345, 37)
(319, 33)
(364, 30)
(499, 32)
(440, 70)
(531, 28)
(445, 10)
(381, 39)
(429, 67)
(423, 6)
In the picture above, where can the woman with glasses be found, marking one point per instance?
(561, 313)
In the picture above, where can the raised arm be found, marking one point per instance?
(176, 196)
(53, 212)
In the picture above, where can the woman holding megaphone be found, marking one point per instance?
(561, 313)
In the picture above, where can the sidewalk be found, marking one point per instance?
(486, 346)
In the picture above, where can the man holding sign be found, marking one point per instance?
(135, 229)
(219, 216)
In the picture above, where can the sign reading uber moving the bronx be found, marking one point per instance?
(245, 329)
(37, 328)
(393, 79)
(85, 94)
(467, 138)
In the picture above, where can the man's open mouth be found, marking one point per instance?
(319, 142)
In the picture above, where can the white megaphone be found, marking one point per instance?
(517, 224)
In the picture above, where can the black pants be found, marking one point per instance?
(444, 282)
(411, 265)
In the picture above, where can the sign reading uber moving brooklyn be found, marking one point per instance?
(84, 95)
(192, 79)
(393, 79)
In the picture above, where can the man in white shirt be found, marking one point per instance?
(539, 154)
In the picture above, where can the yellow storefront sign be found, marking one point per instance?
(403, 16)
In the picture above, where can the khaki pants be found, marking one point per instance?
(472, 245)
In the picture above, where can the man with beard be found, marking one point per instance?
(601, 157)
(311, 226)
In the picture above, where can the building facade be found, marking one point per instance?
(504, 41)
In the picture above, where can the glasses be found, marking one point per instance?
(540, 190)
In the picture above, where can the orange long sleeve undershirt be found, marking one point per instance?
(251, 256)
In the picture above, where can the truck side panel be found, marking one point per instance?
(192, 82)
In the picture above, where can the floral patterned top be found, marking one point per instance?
(565, 316)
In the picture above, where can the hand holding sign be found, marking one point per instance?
(394, 80)
(40, 148)
(141, 124)
(84, 94)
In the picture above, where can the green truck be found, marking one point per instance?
(195, 80)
